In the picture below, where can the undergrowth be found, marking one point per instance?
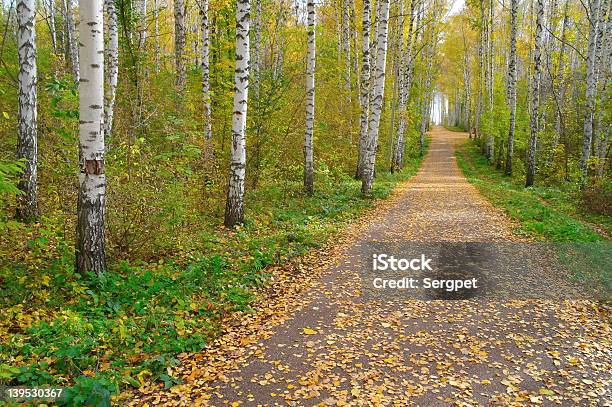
(96, 336)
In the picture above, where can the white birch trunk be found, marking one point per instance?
(512, 84)
(179, 44)
(535, 95)
(112, 64)
(377, 99)
(365, 88)
(346, 47)
(310, 100)
(52, 28)
(72, 41)
(90, 252)
(427, 96)
(591, 86)
(142, 31)
(27, 139)
(603, 33)
(234, 209)
(397, 79)
(206, 70)
(481, 69)
(406, 84)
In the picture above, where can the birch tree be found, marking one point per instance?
(365, 88)
(72, 40)
(591, 85)
(27, 139)
(512, 84)
(310, 100)
(535, 95)
(346, 46)
(142, 30)
(90, 246)
(234, 208)
(427, 96)
(52, 29)
(206, 70)
(377, 99)
(179, 44)
(406, 83)
(112, 64)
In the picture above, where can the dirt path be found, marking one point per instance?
(336, 348)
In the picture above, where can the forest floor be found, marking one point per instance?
(316, 339)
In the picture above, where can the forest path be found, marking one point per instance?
(333, 347)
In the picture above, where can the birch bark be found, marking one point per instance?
(142, 14)
(179, 44)
(310, 100)
(377, 100)
(234, 209)
(365, 88)
(535, 96)
(52, 28)
(112, 66)
(90, 247)
(591, 85)
(406, 84)
(27, 138)
(72, 41)
(206, 70)
(512, 84)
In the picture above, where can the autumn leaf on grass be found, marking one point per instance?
(309, 331)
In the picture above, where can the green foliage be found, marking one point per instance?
(9, 177)
(126, 327)
(543, 213)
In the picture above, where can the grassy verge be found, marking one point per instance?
(99, 335)
(546, 214)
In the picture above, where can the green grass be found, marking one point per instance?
(546, 214)
(454, 128)
(543, 213)
(100, 335)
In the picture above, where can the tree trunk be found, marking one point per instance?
(52, 28)
(365, 88)
(310, 100)
(179, 44)
(377, 100)
(72, 41)
(142, 31)
(512, 84)
(601, 49)
(346, 47)
(206, 70)
(535, 96)
(406, 83)
(427, 96)
(481, 68)
(112, 66)
(90, 256)
(234, 209)
(591, 86)
(27, 139)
